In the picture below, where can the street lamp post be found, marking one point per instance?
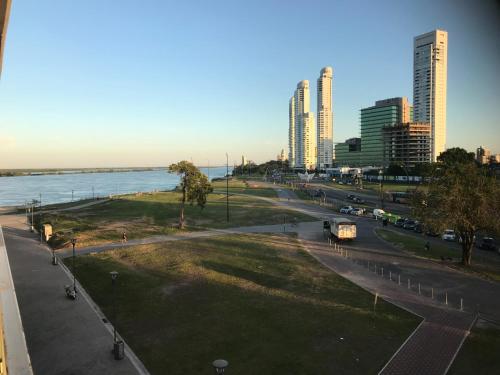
(118, 345)
(220, 365)
(381, 175)
(73, 243)
(227, 187)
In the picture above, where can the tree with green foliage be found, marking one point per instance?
(455, 155)
(194, 186)
(461, 196)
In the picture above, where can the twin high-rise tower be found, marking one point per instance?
(311, 146)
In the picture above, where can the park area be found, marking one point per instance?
(259, 301)
(149, 214)
(484, 264)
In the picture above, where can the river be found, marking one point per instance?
(59, 188)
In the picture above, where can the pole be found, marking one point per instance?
(74, 277)
(227, 187)
(72, 195)
(113, 281)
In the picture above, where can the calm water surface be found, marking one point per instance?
(17, 190)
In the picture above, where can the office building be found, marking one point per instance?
(384, 113)
(407, 144)
(430, 59)
(348, 153)
(483, 155)
(325, 118)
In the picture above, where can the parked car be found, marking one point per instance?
(409, 224)
(419, 227)
(357, 211)
(358, 200)
(487, 243)
(449, 235)
(351, 197)
(378, 213)
(431, 233)
(400, 222)
(346, 209)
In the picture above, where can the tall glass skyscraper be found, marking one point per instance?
(430, 60)
(384, 113)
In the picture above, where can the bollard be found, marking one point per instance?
(382, 271)
(375, 269)
(446, 298)
(399, 279)
(419, 288)
(432, 293)
(375, 301)
(368, 265)
(390, 275)
(461, 304)
(409, 284)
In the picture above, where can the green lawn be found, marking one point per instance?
(487, 267)
(259, 301)
(149, 214)
(479, 354)
(239, 186)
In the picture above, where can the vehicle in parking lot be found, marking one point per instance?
(351, 196)
(400, 222)
(449, 235)
(409, 224)
(346, 209)
(487, 243)
(358, 200)
(419, 227)
(378, 213)
(431, 233)
(357, 211)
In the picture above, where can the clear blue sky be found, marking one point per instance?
(115, 83)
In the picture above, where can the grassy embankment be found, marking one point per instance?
(259, 301)
(151, 214)
(479, 354)
(488, 267)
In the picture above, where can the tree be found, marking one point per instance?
(455, 155)
(194, 186)
(460, 196)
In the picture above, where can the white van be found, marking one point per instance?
(378, 213)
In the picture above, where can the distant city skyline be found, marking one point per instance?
(150, 85)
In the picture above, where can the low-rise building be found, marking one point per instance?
(348, 153)
(483, 155)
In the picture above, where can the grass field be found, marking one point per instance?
(488, 267)
(150, 214)
(259, 301)
(479, 354)
(238, 186)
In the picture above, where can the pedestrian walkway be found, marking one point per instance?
(63, 336)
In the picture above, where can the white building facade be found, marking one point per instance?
(430, 60)
(325, 119)
(302, 130)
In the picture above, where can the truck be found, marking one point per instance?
(342, 229)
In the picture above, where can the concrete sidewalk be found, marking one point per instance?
(63, 336)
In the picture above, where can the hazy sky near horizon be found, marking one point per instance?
(125, 83)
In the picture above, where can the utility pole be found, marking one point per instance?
(227, 186)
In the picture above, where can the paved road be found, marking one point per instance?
(63, 336)
(432, 347)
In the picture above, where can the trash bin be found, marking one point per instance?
(119, 350)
